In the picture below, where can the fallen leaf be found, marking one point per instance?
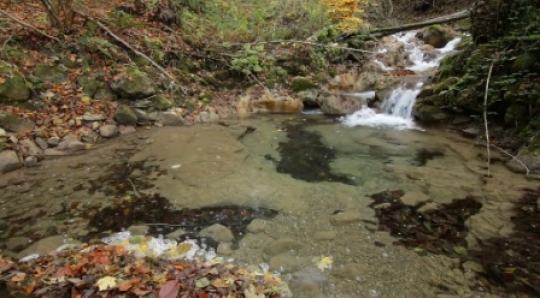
(219, 283)
(30, 288)
(170, 289)
(106, 282)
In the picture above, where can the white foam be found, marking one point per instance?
(368, 117)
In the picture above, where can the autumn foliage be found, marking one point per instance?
(345, 12)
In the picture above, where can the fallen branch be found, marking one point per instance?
(322, 45)
(485, 118)
(28, 25)
(381, 32)
(127, 45)
(513, 157)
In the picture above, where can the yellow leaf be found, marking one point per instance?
(105, 283)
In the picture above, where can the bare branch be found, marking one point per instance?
(485, 117)
(127, 45)
(513, 157)
(28, 25)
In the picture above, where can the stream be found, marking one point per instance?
(292, 189)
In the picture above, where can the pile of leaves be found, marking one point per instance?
(111, 271)
(440, 231)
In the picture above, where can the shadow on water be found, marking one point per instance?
(509, 264)
(162, 218)
(305, 157)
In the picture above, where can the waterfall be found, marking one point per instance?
(396, 108)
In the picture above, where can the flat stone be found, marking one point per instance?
(71, 144)
(256, 226)
(218, 233)
(9, 161)
(280, 246)
(17, 243)
(93, 117)
(412, 198)
(46, 245)
(108, 131)
(170, 119)
(345, 218)
(53, 141)
(325, 235)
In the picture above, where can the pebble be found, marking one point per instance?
(108, 131)
(32, 148)
(53, 141)
(256, 226)
(170, 119)
(345, 218)
(280, 246)
(95, 125)
(218, 233)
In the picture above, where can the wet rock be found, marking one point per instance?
(437, 36)
(350, 271)
(144, 118)
(9, 161)
(345, 218)
(53, 141)
(138, 86)
(224, 249)
(14, 123)
(218, 233)
(257, 226)
(138, 230)
(428, 113)
(325, 235)
(170, 119)
(108, 131)
(14, 89)
(283, 245)
(530, 158)
(338, 104)
(46, 245)
(31, 148)
(41, 143)
(287, 263)
(413, 197)
(88, 136)
(17, 243)
(30, 161)
(3, 133)
(125, 115)
(309, 97)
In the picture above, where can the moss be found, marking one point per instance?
(445, 84)
(125, 115)
(162, 103)
(524, 62)
(14, 89)
(302, 83)
(50, 74)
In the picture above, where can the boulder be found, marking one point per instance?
(137, 86)
(108, 131)
(218, 233)
(161, 102)
(125, 115)
(269, 102)
(9, 161)
(14, 89)
(436, 36)
(14, 123)
(428, 113)
(331, 104)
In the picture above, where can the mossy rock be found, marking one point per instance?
(426, 92)
(302, 83)
(14, 89)
(428, 113)
(524, 63)
(357, 42)
(125, 115)
(136, 85)
(14, 123)
(50, 74)
(104, 93)
(437, 36)
(445, 84)
(90, 85)
(162, 103)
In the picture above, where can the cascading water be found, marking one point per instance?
(396, 109)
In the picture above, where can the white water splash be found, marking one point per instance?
(396, 110)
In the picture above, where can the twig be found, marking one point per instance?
(137, 194)
(28, 25)
(5, 43)
(322, 45)
(513, 157)
(127, 45)
(485, 117)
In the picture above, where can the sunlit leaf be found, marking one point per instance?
(170, 289)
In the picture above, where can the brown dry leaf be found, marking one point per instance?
(2, 80)
(30, 288)
(18, 277)
(170, 289)
(124, 286)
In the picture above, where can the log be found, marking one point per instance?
(381, 32)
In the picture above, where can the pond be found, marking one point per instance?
(310, 187)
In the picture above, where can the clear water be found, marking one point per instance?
(208, 165)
